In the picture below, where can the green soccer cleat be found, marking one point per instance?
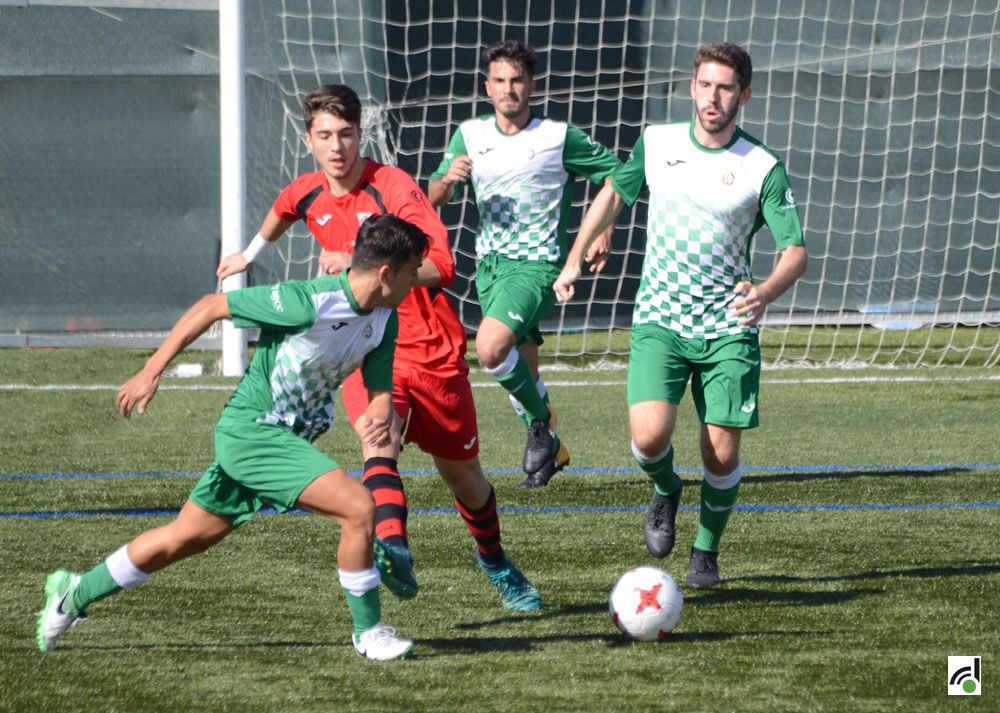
(53, 622)
(395, 566)
(516, 592)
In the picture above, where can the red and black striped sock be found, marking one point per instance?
(383, 482)
(484, 524)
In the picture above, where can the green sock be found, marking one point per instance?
(519, 409)
(366, 610)
(521, 385)
(94, 585)
(716, 506)
(661, 472)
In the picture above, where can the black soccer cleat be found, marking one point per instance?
(704, 569)
(659, 526)
(552, 466)
(541, 447)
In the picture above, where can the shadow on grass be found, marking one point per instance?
(968, 569)
(735, 595)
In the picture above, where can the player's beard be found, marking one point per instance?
(726, 117)
(514, 110)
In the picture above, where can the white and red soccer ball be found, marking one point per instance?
(646, 603)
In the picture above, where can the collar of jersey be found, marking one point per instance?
(698, 145)
(344, 283)
(531, 117)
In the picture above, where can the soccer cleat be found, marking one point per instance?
(659, 525)
(52, 621)
(380, 643)
(542, 443)
(552, 466)
(395, 566)
(704, 569)
(516, 592)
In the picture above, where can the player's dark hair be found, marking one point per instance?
(337, 99)
(387, 239)
(512, 52)
(731, 55)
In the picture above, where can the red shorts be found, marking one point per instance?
(436, 404)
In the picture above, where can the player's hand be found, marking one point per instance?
(599, 251)
(232, 265)
(749, 304)
(564, 283)
(376, 432)
(137, 392)
(331, 262)
(459, 171)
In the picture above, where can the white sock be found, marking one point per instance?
(357, 583)
(123, 571)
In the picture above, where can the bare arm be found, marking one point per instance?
(601, 216)
(271, 229)
(376, 424)
(755, 298)
(140, 389)
(439, 190)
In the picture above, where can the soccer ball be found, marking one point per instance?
(646, 603)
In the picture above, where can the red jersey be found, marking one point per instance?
(430, 332)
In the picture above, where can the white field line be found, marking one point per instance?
(559, 383)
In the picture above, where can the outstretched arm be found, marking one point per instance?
(271, 229)
(140, 389)
(754, 298)
(601, 216)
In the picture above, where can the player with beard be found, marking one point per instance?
(711, 187)
(521, 167)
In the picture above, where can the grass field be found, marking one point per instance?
(863, 553)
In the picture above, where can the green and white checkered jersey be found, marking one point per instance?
(705, 205)
(313, 335)
(523, 183)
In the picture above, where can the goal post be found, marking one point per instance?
(880, 112)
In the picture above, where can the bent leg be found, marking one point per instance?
(339, 496)
(194, 530)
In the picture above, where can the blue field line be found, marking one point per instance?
(872, 467)
(550, 509)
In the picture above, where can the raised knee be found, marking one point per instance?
(491, 354)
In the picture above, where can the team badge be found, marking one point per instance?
(728, 178)
(367, 332)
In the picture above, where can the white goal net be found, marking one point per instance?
(885, 114)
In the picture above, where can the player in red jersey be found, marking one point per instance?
(431, 391)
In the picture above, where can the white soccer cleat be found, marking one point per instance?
(380, 643)
(52, 621)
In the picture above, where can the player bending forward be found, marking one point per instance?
(313, 334)
(711, 188)
(431, 392)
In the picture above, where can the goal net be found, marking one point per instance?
(880, 111)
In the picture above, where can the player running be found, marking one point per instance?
(521, 167)
(431, 391)
(711, 188)
(313, 334)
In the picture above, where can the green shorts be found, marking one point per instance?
(517, 292)
(257, 465)
(724, 373)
